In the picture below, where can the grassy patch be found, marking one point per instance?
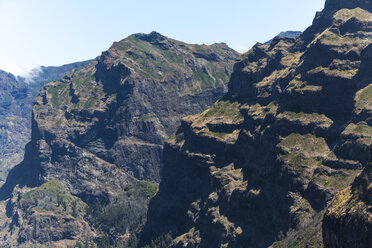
(301, 115)
(359, 130)
(204, 79)
(340, 200)
(338, 181)
(225, 109)
(52, 197)
(309, 145)
(148, 189)
(363, 98)
(59, 94)
(298, 160)
(346, 14)
(219, 135)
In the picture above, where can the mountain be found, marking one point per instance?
(95, 153)
(260, 167)
(16, 100)
(286, 34)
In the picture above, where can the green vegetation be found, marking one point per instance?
(258, 111)
(332, 38)
(204, 79)
(122, 216)
(83, 79)
(359, 130)
(338, 181)
(346, 14)
(218, 73)
(363, 98)
(89, 103)
(300, 115)
(59, 94)
(52, 197)
(119, 216)
(219, 135)
(308, 145)
(298, 160)
(225, 109)
(148, 189)
(86, 88)
(128, 189)
(148, 59)
(172, 57)
(153, 61)
(364, 129)
(340, 201)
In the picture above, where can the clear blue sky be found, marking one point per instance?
(55, 32)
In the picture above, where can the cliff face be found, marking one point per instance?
(13, 121)
(258, 168)
(348, 220)
(100, 133)
(16, 99)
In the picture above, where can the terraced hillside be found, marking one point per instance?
(259, 167)
(97, 138)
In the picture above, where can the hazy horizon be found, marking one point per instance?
(50, 33)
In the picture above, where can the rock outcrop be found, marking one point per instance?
(17, 95)
(259, 168)
(100, 132)
(348, 220)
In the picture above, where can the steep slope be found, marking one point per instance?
(13, 111)
(258, 168)
(100, 132)
(348, 221)
(16, 99)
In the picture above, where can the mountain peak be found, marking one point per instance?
(151, 37)
(349, 4)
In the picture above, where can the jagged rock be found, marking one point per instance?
(259, 168)
(348, 220)
(100, 131)
(16, 99)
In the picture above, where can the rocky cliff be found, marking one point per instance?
(348, 220)
(13, 122)
(17, 95)
(98, 136)
(259, 167)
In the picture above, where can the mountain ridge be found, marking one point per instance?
(100, 131)
(259, 168)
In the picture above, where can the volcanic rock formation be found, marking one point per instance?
(97, 137)
(259, 168)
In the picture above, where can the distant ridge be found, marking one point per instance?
(286, 34)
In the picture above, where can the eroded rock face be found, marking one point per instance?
(259, 168)
(348, 220)
(45, 214)
(100, 131)
(17, 95)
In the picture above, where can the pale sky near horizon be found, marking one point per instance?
(56, 32)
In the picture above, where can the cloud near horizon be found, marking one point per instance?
(26, 71)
